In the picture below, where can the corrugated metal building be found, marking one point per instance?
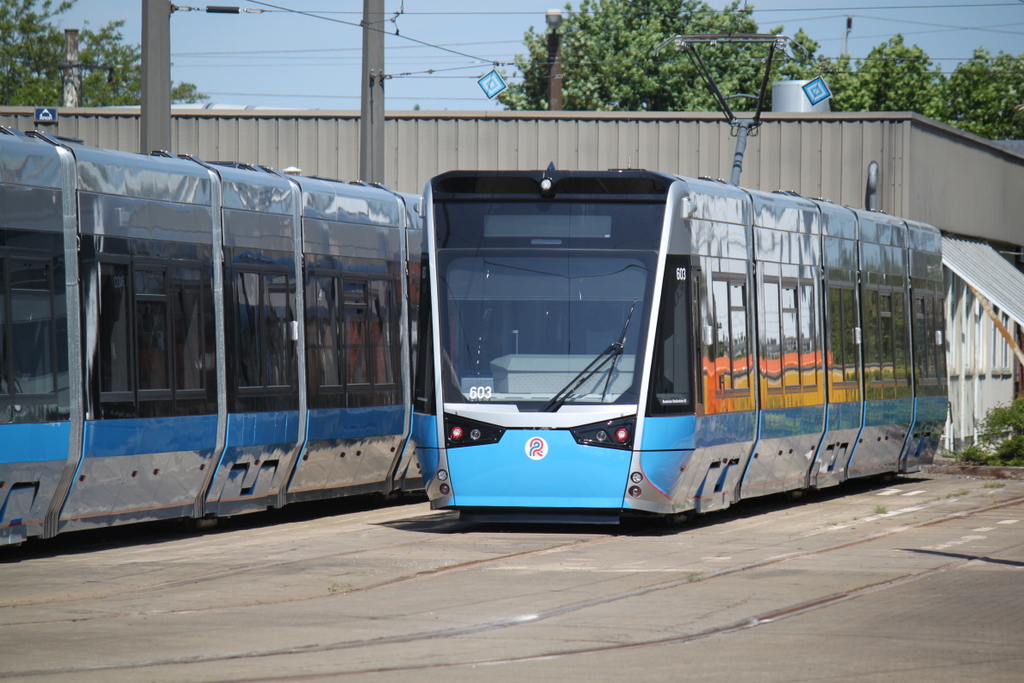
(928, 171)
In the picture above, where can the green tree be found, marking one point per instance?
(608, 59)
(894, 77)
(32, 55)
(608, 63)
(983, 96)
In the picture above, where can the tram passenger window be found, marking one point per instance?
(723, 337)
(115, 363)
(328, 337)
(381, 333)
(6, 386)
(731, 350)
(808, 338)
(738, 314)
(32, 370)
(849, 307)
(772, 350)
(901, 355)
(923, 362)
(278, 316)
(842, 352)
(356, 359)
(790, 340)
(248, 308)
(188, 333)
(885, 338)
(151, 329)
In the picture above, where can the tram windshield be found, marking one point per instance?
(540, 325)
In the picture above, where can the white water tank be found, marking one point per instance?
(789, 96)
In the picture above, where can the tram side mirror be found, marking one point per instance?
(686, 209)
(294, 330)
(938, 337)
(856, 335)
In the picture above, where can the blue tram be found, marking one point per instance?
(600, 344)
(190, 339)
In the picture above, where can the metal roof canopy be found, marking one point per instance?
(983, 267)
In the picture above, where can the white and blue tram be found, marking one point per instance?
(184, 339)
(600, 344)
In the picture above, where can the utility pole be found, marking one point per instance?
(155, 131)
(71, 73)
(554, 18)
(371, 123)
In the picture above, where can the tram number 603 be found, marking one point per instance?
(479, 393)
(680, 274)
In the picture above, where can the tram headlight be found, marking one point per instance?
(442, 475)
(636, 477)
(608, 434)
(461, 431)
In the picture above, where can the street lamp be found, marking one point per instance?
(554, 19)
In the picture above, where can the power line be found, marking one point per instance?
(342, 97)
(760, 10)
(335, 49)
(349, 23)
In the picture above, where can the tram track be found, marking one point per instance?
(233, 572)
(755, 619)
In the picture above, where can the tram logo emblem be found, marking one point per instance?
(536, 448)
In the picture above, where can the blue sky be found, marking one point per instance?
(280, 58)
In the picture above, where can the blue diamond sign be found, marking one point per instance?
(492, 84)
(817, 90)
(46, 114)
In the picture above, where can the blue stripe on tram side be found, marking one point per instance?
(354, 423)
(106, 438)
(34, 442)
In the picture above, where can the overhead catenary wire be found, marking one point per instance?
(360, 25)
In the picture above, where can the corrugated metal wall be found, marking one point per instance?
(928, 171)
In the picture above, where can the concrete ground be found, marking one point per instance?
(917, 579)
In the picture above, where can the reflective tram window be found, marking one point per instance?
(33, 325)
(154, 341)
(790, 362)
(352, 341)
(522, 327)
(151, 329)
(265, 350)
(187, 304)
(114, 346)
(841, 356)
(32, 366)
(886, 363)
(544, 303)
(672, 378)
(728, 370)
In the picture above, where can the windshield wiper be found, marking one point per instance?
(613, 351)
